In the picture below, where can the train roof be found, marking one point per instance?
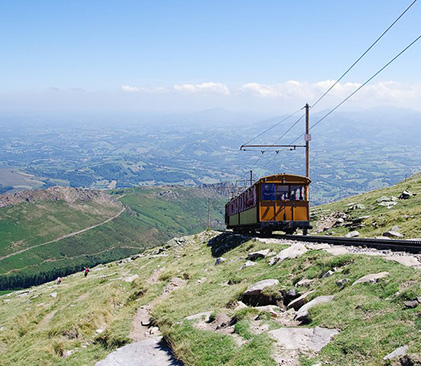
(284, 178)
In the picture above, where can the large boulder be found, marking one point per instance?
(302, 314)
(255, 294)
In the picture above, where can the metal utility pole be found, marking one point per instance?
(251, 177)
(208, 215)
(307, 139)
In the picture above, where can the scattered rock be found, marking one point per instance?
(300, 301)
(393, 234)
(304, 283)
(248, 264)
(273, 310)
(240, 305)
(302, 314)
(371, 278)
(395, 228)
(293, 251)
(67, 353)
(352, 234)
(411, 304)
(131, 278)
(260, 254)
(405, 195)
(304, 339)
(219, 260)
(329, 273)
(342, 282)
(202, 280)
(389, 204)
(383, 199)
(205, 316)
(406, 260)
(401, 351)
(356, 206)
(53, 295)
(254, 295)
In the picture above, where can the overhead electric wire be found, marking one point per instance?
(289, 129)
(276, 124)
(335, 83)
(354, 92)
(361, 86)
(359, 58)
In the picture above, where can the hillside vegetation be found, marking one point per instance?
(374, 213)
(82, 320)
(45, 234)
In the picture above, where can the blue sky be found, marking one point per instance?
(190, 55)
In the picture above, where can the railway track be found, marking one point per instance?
(410, 246)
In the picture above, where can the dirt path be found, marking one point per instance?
(149, 348)
(142, 327)
(65, 236)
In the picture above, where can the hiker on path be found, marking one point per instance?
(58, 280)
(86, 271)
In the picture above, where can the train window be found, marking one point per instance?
(282, 192)
(268, 192)
(297, 193)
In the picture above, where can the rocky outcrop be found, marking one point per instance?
(255, 294)
(66, 194)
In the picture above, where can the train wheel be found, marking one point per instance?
(289, 231)
(305, 231)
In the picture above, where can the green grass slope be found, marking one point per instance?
(30, 253)
(82, 320)
(406, 214)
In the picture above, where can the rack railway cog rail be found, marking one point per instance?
(411, 246)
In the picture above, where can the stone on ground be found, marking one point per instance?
(303, 339)
(248, 264)
(258, 287)
(300, 301)
(371, 278)
(393, 234)
(352, 234)
(294, 251)
(302, 314)
(205, 316)
(401, 351)
(260, 254)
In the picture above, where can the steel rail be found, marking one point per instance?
(404, 245)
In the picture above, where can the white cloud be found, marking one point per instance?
(208, 87)
(130, 89)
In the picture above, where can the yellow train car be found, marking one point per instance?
(274, 203)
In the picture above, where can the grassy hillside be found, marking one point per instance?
(404, 213)
(34, 247)
(82, 320)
